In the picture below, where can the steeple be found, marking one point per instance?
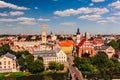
(51, 33)
(78, 31)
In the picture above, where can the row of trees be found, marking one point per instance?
(56, 66)
(100, 64)
(28, 63)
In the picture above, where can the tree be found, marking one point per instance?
(118, 42)
(100, 60)
(61, 66)
(86, 55)
(56, 66)
(114, 44)
(28, 61)
(37, 38)
(19, 37)
(69, 38)
(40, 58)
(77, 61)
(52, 65)
(115, 60)
(37, 66)
(4, 49)
(29, 38)
(21, 62)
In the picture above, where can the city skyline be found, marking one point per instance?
(60, 16)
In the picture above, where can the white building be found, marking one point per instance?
(51, 55)
(78, 36)
(87, 35)
(8, 63)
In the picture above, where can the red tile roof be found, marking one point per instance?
(82, 42)
(97, 41)
(67, 43)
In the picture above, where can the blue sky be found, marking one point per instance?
(60, 16)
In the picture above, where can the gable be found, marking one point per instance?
(5, 58)
(61, 53)
(110, 48)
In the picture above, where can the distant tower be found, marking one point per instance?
(87, 35)
(44, 35)
(78, 35)
(78, 31)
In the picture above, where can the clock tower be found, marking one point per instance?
(44, 35)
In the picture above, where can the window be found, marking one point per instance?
(8, 62)
(4, 62)
(0, 63)
(4, 66)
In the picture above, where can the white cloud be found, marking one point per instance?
(20, 20)
(98, 1)
(16, 13)
(3, 14)
(12, 6)
(28, 22)
(90, 17)
(83, 10)
(115, 4)
(68, 23)
(25, 19)
(7, 20)
(91, 4)
(107, 20)
(117, 14)
(100, 10)
(35, 7)
(42, 19)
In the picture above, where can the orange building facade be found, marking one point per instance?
(86, 47)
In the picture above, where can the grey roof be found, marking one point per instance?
(101, 47)
(9, 55)
(45, 53)
(58, 50)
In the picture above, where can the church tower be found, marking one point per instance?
(78, 36)
(44, 35)
(78, 31)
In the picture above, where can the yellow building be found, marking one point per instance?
(67, 46)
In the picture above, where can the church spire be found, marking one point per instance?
(78, 31)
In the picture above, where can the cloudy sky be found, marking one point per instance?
(60, 16)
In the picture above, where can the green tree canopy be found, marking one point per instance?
(100, 60)
(114, 44)
(55, 66)
(37, 66)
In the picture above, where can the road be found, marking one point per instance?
(74, 71)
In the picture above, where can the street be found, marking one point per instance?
(76, 74)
